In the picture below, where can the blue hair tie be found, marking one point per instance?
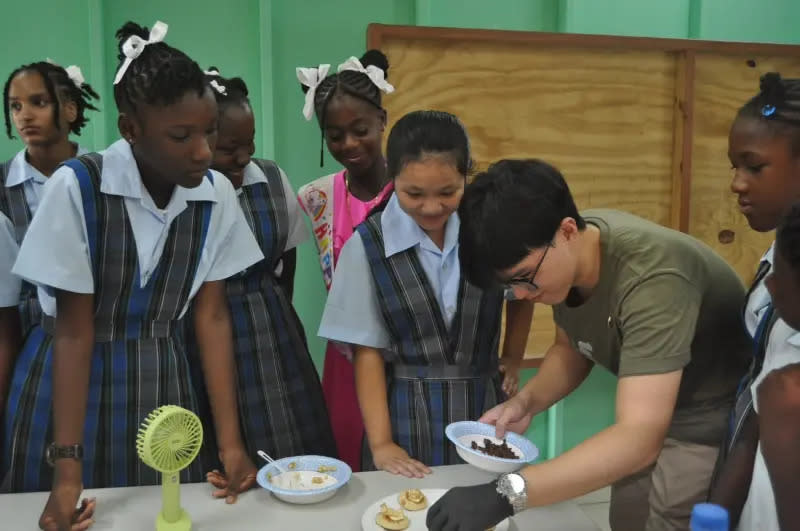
(767, 110)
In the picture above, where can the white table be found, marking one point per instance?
(135, 508)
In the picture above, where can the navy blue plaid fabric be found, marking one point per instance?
(15, 206)
(421, 407)
(138, 362)
(281, 406)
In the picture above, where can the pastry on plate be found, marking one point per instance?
(412, 500)
(392, 519)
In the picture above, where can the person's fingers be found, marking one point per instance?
(491, 416)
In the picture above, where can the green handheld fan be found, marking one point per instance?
(168, 441)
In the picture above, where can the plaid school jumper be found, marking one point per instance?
(281, 407)
(137, 363)
(436, 376)
(15, 206)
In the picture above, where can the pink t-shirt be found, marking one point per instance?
(349, 211)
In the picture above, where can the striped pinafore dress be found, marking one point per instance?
(281, 406)
(15, 206)
(137, 364)
(435, 375)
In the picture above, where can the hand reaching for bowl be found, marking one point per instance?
(512, 415)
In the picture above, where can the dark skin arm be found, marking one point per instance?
(72, 353)
(10, 344)
(212, 322)
(733, 484)
(779, 427)
(286, 280)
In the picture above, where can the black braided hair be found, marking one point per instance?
(788, 238)
(356, 84)
(777, 104)
(235, 88)
(55, 77)
(161, 75)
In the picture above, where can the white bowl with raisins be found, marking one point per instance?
(476, 444)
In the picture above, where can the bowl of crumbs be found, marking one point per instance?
(304, 479)
(476, 444)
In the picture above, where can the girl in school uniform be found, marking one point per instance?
(144, 228)
(349, 111)
(425, 340)
(281, 407)
(45, 103)
(762, 147)
(9, 299)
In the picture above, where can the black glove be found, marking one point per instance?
(469, 509)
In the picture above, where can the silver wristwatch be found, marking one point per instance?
(513, 488)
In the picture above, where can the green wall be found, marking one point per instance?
(264, 40)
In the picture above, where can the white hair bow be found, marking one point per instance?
(214, 83)
(75, 74)
(311, 78)
(134, 45)
(375, 74)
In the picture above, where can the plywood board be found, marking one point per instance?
(635, 124)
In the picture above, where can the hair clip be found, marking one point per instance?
(767, 110)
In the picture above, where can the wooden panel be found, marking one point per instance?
(560, 105)
(683, 113)
(723, 84)
(637, 124)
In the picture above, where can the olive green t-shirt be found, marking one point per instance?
(664, 301)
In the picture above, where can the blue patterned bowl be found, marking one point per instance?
(308, 464)
(463, 433)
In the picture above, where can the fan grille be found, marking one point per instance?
(169, 439)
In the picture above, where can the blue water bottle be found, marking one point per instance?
(709, 517)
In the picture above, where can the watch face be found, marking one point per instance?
(517, 483)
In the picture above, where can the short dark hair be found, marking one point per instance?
(356, 84)
(161, 75)
(234, 89)
(777, 105)
(507, 211)
(788, 238)
(55, 77)
(422, 133)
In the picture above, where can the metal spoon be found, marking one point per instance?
(263, 455)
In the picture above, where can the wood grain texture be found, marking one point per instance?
(683, 123)
(635, 124)
(722, 85)
(563, 106)
(379, 34)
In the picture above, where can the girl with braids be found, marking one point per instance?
(352, 120)
(281, 407)
(764, 150)
(425, 340)
(46, 103)
(144, 229)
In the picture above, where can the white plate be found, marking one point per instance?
(416, 518)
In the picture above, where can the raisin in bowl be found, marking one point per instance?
(476, 444)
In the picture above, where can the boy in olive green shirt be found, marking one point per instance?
(652, 305)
